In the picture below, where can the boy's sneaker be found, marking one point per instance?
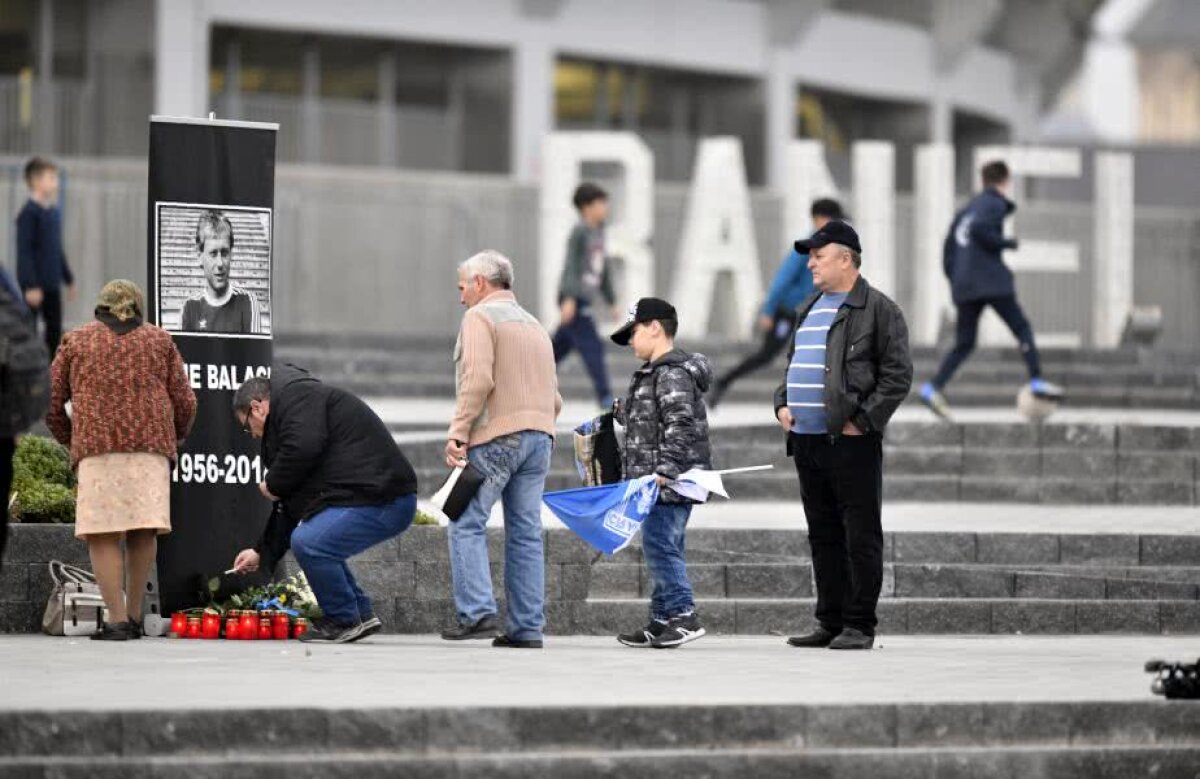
(1046, 389)
(680, 630)
(326, 631)
(369, 627)
(935, 402)
(643, 638)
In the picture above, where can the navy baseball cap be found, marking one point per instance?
(835, 231)
(645, 310)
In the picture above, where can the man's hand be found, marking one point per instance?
(566, 313)
(784, 415)
(662, 480)
(850, 429)
(34, 297)
(456, 454)
(247, 561)
(266, 493)
(72, 293)
(765, 323)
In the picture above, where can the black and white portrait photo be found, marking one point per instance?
(214, 269)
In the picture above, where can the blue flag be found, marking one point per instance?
(609, 516)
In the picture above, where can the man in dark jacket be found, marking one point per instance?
(42, 268)
(848, 372)
(971, 257)
(340, 486)
(666, 434)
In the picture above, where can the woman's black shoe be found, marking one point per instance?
(136, 630)
(116, 631)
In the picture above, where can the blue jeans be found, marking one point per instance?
(967, 328)
(581, 334)
(663, 547)
(323, 542)
(516, 467)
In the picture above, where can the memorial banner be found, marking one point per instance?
(211, 209)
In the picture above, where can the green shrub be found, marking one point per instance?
(424, 519)
(43, 481)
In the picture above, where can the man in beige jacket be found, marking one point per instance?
(504, 425)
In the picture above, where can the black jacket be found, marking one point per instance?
(666, 426)
(868, 368)
(971, 253)
(324, 447)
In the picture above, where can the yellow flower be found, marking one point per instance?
(283, 598)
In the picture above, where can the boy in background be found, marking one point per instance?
(666, 434)
(42, 269)
(586, 281)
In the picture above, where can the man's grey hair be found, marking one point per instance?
(494, 267)
(257, 388)
(855, 257)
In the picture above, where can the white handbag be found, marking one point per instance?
(76, 607)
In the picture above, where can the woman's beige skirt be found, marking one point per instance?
(120, 492)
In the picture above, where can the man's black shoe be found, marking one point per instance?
(852, 639)
(514, 643)
(818, 639)
(326, 631)
(369, 627)
(487, 627)
(643, 637)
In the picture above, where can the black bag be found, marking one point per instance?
(597, 452)
(1175, 680)
(24, 369)
(458, 491)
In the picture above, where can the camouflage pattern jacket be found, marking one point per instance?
(666, 425)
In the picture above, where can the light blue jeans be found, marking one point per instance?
(516, 467)
(663, 548)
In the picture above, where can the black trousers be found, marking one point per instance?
(775, 340)
(51, 312)
(7, 447)
(967, 329)
(841, 486)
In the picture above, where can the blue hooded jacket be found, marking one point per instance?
(971, 254)
(793, 282)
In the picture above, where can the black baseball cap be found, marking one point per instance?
(645, 310)
(834, 231)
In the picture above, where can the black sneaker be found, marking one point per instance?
(326, 631)
(819, 638)
(112, 631)
(679, 631)
(369, 627)
(487, 627)
(643, 638)
(517, 643)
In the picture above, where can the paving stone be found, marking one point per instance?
(385, 551)
(615, 580)
(1055, 587)
(1033, 617)
(1016, 548)
(1070, 464)
(765, 617)
(893, 617)
(1026, 723)
(949, 616)
(14, 582)
(1001, 463)
(174, 732)
(934, 548)
(41, 543)
(939, 725)
(1154, 438)
(982, 489)
(398, 730)
(1158, 493)
(45, 733)
(562, 546)
(936, 581)
(433, 580)
(708, 580)
(1180, 617)
(919, 488)
(1092, 438)
(20, 616)
(1170, 550)
(1155, 466)
(1115, 616)
(423, 544)
(1077, 491)
(785, 580)
(1001, 436)
(922, 460)
(765, 544)
(1134, 589)
(391, 579)
(573, 579)
(851, 726)
(909, 434)
(1099, 549)
(423, 616)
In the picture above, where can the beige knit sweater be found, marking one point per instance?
(504, 372)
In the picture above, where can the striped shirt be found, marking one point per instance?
(806, 373)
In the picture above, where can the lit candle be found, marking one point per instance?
(282, 626)
(193, 627)
(249, 625)
(233, 626)
(265, 632)
(301, 627)
(179, 624)
(210, 625)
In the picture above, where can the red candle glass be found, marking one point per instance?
(301, 627)
(210, 626)
(193, 627)
(265, 633)
(179, 624)
(233, 627)
(249, 625)
(281, 624)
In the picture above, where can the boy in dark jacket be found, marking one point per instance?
(586, 282)
(971, 258)
(42, 269)
(340, 485)
(666, 434)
